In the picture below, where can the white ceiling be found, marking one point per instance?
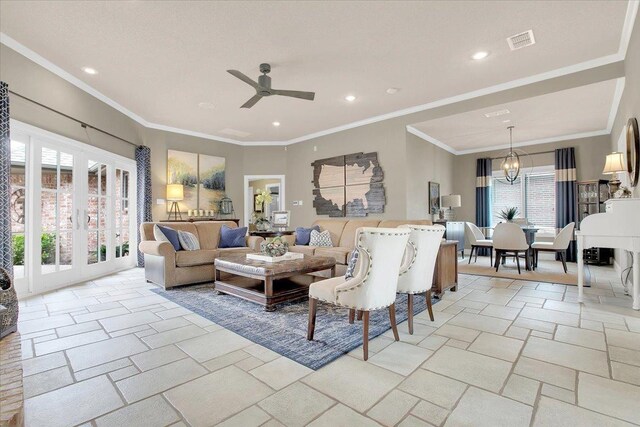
(581, 110)
(159, 59)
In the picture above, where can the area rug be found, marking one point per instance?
(548, 271)
(285, 330)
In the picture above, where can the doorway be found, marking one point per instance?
(256, 184)
(71, 215)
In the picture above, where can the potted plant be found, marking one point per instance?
(262, 223)
(508, 214)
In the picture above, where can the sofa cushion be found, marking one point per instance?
(307, 250)
(209, 232)
(233, 251)
(335, 227)
(303, 235)
(167, 234)
(347, 239)
(340, 254)
(146, 228)
(395, 223)
(191, 258)
(232, 237)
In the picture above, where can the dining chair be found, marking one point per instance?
(374, 283)
(478, 240)
(509, 239)
(416, 272)
(559, 245)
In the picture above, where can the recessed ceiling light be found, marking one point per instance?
(480, 55)
(276, 124)
(392, 90)
(206, 105)
(90, 70)
(350, 98)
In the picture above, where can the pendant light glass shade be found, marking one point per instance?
(511, 162)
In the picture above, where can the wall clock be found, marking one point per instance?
(17, 205)
(633, 151)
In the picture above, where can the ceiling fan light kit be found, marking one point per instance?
(263, 87)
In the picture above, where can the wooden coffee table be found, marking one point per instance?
(267, 283)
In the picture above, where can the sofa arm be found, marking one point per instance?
(254, 242)
(153, 247)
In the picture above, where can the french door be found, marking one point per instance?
(71, 213)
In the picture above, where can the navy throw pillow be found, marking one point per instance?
(303, 235)
(172, 236)
(232, 237)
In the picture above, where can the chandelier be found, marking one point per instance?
(511, 162)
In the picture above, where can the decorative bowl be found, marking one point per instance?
(274, 247)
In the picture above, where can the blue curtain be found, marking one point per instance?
(566, 209)
(6, 251)
(483, 196)
(143, 167)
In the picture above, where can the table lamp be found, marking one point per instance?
(449, 202)
(175, 193)
(613, 165)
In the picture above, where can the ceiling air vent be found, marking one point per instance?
(521, 40)
(497, 113)
(235, 132)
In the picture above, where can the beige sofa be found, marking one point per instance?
(166, 267)
(343, 233)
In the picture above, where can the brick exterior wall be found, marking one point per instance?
(540, 206)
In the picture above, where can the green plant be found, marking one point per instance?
(48, 244)
(103, 251)
(17, 242)
(509, 214)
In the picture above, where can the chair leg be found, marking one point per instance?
(498, 256)
(471, 254)
(563, 257)
(359, 315)
(365, 335)
(491, 254)
(429, 304)
(518, 261)
(313, 305)
(352, 315)
(410, 312)
(477, 249)
(392, 319)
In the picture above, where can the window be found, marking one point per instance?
(534, 194)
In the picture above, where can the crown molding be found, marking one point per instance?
(630, 17)
(430, 139)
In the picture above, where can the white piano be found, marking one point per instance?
(618, 228)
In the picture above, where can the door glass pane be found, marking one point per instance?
(103, 245)
(48, 209)
(65, 249)
(49, 177)
(93, 177)
(48, 252)
(92, 247)
(65, 219)
(17, 205)
(98, 209)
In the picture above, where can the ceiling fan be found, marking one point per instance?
(263, 87)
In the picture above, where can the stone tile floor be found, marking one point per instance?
(501, 353)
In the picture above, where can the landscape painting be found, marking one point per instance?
(211, 182)
(182, 168)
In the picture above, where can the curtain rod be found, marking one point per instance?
(82, 124)
(528, 154)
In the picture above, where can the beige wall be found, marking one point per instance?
(630, 102)
(590, 155)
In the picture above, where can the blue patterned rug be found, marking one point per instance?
(285, 330)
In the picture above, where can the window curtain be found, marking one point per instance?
(566, 209)
(143, 168)
(6, 251)
(483, 196)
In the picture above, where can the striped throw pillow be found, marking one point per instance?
(188, 241)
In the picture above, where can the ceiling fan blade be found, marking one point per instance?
(250, 103)
(243, 77)
(295, 94)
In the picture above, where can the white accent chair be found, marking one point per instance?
(375, 280)
(416, 273)
(559, 245)
(509, 239)
(478, 240)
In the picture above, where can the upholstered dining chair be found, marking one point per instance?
(374, 282)
(509, 239)
(478, 240)
(559, 245)
(416, 272)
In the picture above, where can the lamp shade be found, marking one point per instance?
(175, 192)
(451, 201)
(614, 163)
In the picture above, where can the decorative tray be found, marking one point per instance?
(286, 257)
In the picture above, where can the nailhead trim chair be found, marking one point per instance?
(559, 245)
(508, 238)
(374, 285)
(478, 240)
(416, 272)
